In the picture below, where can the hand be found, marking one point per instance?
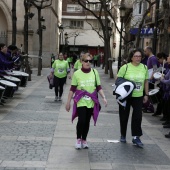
(69, 76)
(67, 107)
(51, 76)
(162, 78)
(105, 101)
(145, 99)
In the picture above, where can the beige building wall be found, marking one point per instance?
(50, 35)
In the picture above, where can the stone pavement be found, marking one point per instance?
(36, 133)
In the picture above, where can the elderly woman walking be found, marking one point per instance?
(86, 86)
(137, 73)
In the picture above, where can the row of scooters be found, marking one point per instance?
(10, 82)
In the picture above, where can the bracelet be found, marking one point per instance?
(146, 94)
(104, 97)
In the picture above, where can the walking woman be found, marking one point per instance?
(138, 73)
(86, 85)
(60, 69)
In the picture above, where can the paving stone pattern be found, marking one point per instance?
(24, 150)
(26, 129)
(31, 116)
(22, 168)
(38, 106)
(127, 153)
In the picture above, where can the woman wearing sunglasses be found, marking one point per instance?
(85, 86)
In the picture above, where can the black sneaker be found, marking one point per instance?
(165, 123)
(163, 119)
(123, 139)
(137, 142)
(166, 126)
(167, 135)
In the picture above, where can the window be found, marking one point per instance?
(74, 8)
(96, 25)
(76, 24)
(94, 7)
(140, 7)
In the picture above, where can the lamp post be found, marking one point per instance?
(66, 41)
(61, 29)
(75, 40)
(40, 29)
(28, 15)
(122, 15)
(156, 27)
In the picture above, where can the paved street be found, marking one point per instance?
(36, 133)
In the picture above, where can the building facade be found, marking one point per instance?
(52, 17)
(79, 26)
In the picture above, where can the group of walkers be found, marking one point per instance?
(139, 71)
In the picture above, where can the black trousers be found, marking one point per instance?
(136, 103)
(58, 84)
(95, 63)
(166, 109)
(83, 124)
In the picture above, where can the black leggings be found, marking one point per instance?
(136, 103)
(83, 124)
(59, 83)
(95, 63)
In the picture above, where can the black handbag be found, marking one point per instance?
(96, 87)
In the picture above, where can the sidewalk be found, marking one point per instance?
(36, 133)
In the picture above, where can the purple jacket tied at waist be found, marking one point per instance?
(78, 95)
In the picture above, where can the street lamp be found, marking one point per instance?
(75, 40)
(66, 41)
(28, 16)
(61, 29)
(155, 39)
(122, 10)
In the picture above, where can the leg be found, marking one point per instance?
(56, 85)
(61, 84)
(124, 116)
(89, 113)
(81, 121)
(137, 116)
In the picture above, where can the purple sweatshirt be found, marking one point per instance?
(78, 95)
(166, 82)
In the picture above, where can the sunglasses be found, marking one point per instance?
(86, 61)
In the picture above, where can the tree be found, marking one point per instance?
(27, 16)
(147, 11)
(40, 4)
(165, 44)
(102, 16)
(14, 22)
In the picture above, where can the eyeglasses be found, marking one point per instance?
(137, 56)
(86, 61)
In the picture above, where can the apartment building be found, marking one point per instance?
(78, 25)
(151, 23)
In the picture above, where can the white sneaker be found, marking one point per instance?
(59, 98)
(56, 98)
(78, 144)
(84, 144)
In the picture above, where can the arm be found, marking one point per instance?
(103, 96)
(146, 88)
(70, 95)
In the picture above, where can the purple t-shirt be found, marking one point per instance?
(152, 61)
